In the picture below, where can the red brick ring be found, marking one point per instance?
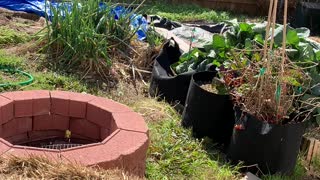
(115, 136)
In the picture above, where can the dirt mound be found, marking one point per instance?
(21, 21)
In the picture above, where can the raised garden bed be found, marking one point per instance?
(66, 126)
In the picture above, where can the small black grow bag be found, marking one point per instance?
(209, 114)
(274, 148)
(164, 83)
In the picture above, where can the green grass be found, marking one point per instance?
(316, 164)
(43, 80)
(174, 154)
(299, 173)
(9, 36)
(189, 12)
(11, 77)
(10, 61)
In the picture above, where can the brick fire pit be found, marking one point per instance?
(103, 132)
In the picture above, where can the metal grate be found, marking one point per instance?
(60, 146)
(58, 143)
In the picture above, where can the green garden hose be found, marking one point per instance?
(23, 83)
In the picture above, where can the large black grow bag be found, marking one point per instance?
(307, 15)
(274, 148)
(164, 83)
(209, 114)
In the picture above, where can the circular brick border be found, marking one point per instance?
(120, 135)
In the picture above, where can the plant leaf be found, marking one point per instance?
(248, 44)
(212, 54)
(259, 39)
(262, 71)
(318, 55)
(278, 93)
(306, 52)
(292, 38)
(245, 27)
(218, 42)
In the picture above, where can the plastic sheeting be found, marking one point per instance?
(39, 7)
(29, 6)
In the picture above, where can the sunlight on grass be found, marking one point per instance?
(174, 154)
(189, 12)
(299, 173)
(9, 36)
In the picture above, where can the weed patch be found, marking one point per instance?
(86, 43)
(10, 61)
(9, 36)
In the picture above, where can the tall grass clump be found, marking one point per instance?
(82, 35)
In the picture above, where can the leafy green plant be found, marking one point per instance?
(247, 37)
(153, 38)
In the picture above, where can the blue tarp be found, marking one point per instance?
(39, 7)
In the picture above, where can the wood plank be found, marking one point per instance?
(316, 149)
(310, 150)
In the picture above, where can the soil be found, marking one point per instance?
(315, 38)
(209, 88)
(21, 22)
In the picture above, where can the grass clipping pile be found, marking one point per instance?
(35, 167)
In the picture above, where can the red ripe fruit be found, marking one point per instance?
(239, 127)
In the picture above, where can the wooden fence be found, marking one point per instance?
(251, 7)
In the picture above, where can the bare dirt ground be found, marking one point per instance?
(315, 38)
(21, 22)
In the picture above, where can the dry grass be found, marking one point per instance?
(41, 168)
(153, 110)
(271, 93)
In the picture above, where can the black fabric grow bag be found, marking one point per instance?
(209, 114)
(307, 15)
(274, 148)
(164, 83)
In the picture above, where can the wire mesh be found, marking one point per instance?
(60, 146)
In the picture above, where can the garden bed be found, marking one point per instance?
(172, 154)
